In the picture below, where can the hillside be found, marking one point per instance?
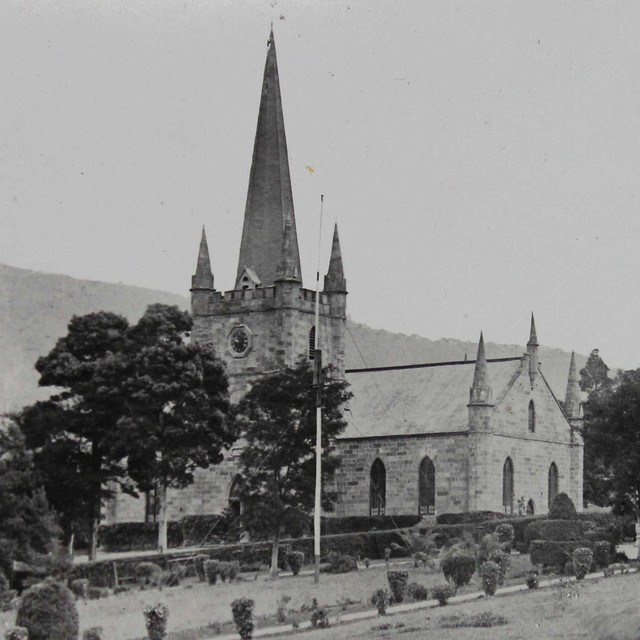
(36, 308)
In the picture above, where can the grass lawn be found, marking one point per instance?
(601, 609)
(198, 610)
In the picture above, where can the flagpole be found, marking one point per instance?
(317, 381)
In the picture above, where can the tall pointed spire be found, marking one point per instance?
(269, 197)
(480, 392)
(288, 269)
(203, 278)
(532, 350)
(572, 396)
(334, 280)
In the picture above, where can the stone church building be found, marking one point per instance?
(421, 439)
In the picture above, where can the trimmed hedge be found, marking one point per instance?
(358, 524)
(557, 530)
(550, 553)
(137, 536)
(468, 517)
(203, 529)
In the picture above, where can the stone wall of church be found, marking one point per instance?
(402, 456)
(531, 451)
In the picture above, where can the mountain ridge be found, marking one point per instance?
(37, 306)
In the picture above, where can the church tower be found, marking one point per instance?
(267, 320)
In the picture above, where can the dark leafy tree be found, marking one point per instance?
(594, 377)
(612, 436)
(28, 529)
(277, 420)
(177, 403)
(73, 434)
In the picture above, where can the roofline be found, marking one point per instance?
(428, 364)
(397, 436)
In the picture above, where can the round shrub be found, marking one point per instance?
(319, 618)
(211, 570)
(16, 633)
(242, 610)
(490, 575)
(398, 584)
(582, 559)
(505, 535)
(80, 588)
(342, 562)
(568, 570)
(503, 560)
(459, 569)
(442, 593)
(417, 592)
(533, 581)
(155, 618)
(381, 599)
(48, 611)
(601, 554)
(562, 508)
(295, 559)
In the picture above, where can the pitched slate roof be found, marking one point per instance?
(422, 400)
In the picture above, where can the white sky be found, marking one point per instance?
(482, 158)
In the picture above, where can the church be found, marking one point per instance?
(424, 439)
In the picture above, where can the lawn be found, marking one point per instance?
(601, 609)
(198, 610)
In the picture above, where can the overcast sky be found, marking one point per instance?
(482, 158)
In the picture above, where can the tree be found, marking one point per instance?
(594, 377)
(28, 530)
(612, 437)
(73, 434)
(277, 420)
(177, 404)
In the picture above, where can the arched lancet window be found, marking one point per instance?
(507, 486)
(312, 343)
(426, 487)
(531, 508)
(377, 488)
(553, 482)
(235, 496)
(532, 417)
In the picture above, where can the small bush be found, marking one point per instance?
(505, 535)
(533, 582)
(148, 573)
(281, 611)
(442, 593)
(342, 563)
(155, 618)
(199, 561)
(459, 569)
(490, 575)
(211, 570)
(228, 571)
(94, 633)
(174, 576)
(95, 593)
(381, 599)
(601, 554)
(17, 633)
(48, 611)
(242, 610)
(417, 592)
(582, 559)
(319, 618)
(562, 508)
(397, 584)
(503, 560)
(80, 588)
(295, 559)
(554, 554)
(568, 570)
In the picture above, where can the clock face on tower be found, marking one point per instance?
(239, 341)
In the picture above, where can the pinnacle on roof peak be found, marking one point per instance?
(203, 278)
(334, 280)
(533, 337)
(287, 269)
(572, 397)
(269, 196)
(480, 392)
